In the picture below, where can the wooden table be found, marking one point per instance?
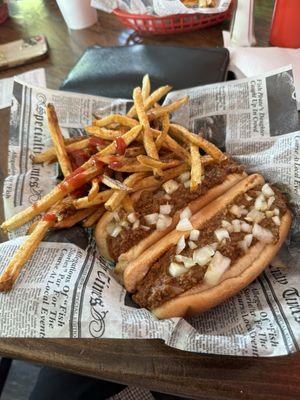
(141, 362)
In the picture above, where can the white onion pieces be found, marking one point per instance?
(270, 201)
(187, 261)
(151, 219)
(221, 234)
(110, 227)
(163, 222)
(116, 231)
(260, 203)
(165, 209)
(236, 223)
(192, 245)
(186, 213)
(227, 225)
(136, 224)
(267, 190)
(276, 220)
(145, 228)
(246, 242)
(235, 210)
(176, 269)
(132, 217)
(246, 227)
(203, 255)
(255, 216)
(170, 186)
(262, 234)
(184, 225)
(218, 265)
(184, 177)
(194, 234)
(187, 184)
(180, 245)
(247, 197)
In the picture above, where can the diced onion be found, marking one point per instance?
(262, 234)
(270, 201)
(247, 197)
(124, 223)
(170, 186)
(132, 217)
(203, 255)
(110, 227)
(235, 210)
(194, 234)
(221, 234)
(246, 227)
(163, 222)
(186, 213)
(218, 265)
(176, 269)
(187, 261)
(187, 184)
(165, 209)
(213, 246)
(227, 225)
(167, 196)
(180, 245)
(243, 210)
(192, 245)
(260, 203)
(184, 177)
(276, 211)
(136, 224)
(276, 220)
(116, 231)
(267, 190)
(269, 214)
(246, 242)
(255, 216)
(236, 223)
(184, 225)
(145, 228)
(151, 219)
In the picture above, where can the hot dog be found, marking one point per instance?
(231, 242)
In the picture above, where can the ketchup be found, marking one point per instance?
(120, 145)
(114, 162)
(49, 217)
(78, 157)
(97, 163)
(94, 142)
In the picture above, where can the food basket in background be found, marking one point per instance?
(179, 23)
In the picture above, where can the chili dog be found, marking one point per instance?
(124, 235)
(228, 244)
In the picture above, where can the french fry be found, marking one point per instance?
(134, 151)
(128, 137)
(171, 144)
(73, 219)
(142, 116)
(150, 162)
(147, 182)
(103, 133)
(158, 112)
(199, 141)
(32, 228)
(115, 200)
(196, 168)
(49, 155)
(100, 198)
(151, 100)
(116, 118)
(174, 172)
(93, 218)
(58, 140)
(114, 184)
(94, 189)
(69, 184)
(146, 87)
(128, 204)
(165, 119)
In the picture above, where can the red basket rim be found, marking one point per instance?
(124, 14)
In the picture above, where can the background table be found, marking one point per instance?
(138, 362)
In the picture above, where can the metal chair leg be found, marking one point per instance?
(5, 364)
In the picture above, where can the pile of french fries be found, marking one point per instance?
(120, 155)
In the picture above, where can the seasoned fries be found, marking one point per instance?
(121, 155)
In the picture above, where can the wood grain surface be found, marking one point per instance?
(149, 363)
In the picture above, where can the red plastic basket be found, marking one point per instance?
(152, 25)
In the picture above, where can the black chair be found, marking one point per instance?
(5, 364)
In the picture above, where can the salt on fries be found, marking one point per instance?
(120, 155)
